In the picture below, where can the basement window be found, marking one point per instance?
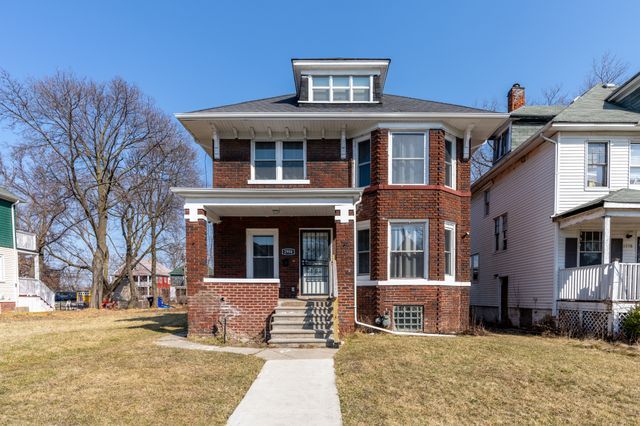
(408, 317)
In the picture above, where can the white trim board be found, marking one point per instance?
(411, 282)
(242, 280)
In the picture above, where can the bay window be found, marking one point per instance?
(341, 88)
(278, 161)
(408, 158)
(597, 164)
(364, 163)
(449, 250)
(363, 246)
(407, 250)
(449, 163)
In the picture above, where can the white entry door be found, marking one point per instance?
(314, 262)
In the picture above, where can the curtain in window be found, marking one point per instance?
(407, 250)
(407, 158)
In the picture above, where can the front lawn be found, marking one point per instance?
(499, 378)
(103, 367)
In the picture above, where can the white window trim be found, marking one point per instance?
(279, 159)
(635, 186)
(251, 232)
(362, 225)
(425, 159)
(450, 226)
(425, 224)
(586, 165)
(356, 160)
(454, 165)
(351, 87)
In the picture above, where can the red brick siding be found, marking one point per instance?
(7, 307)
(195, 271)
(344, 251)
(231, 251)
(248, 307)
(325, 169)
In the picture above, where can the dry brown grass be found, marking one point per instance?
(103, 368)
(491, 379)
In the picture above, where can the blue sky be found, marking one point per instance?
(191, 55)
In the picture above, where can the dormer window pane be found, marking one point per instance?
(321, 95)
(320, 81)
(340, 94)
(341, 82)
(361, 81)
(361, 95)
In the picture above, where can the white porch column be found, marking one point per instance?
(36, 267)
(606, 236)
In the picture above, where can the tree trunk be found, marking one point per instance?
(100, 263)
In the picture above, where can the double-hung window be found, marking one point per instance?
(407, 250)
(590, 248)
(262, 253)
(364, 163)
(502, 145)
(450, 163)
(364, 250)
(278, 161)
(408, 158)
(634, 164)
(500, 232)
(450, 250)
(341, 88)
(475, 267)
(597, 164)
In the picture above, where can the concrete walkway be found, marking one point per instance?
(295, 386)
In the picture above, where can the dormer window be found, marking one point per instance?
(341, 88)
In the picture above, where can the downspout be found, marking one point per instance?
(355, 288)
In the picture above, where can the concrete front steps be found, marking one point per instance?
(300, 322)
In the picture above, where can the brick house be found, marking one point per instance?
(334, 194)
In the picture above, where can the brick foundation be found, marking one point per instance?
(445, 308)
(7, 307)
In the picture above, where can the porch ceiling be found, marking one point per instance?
(593, 218)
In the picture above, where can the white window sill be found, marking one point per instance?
(279, 182)
(425, 282)
(242, 280)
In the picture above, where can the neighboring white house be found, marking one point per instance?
(556, 220)
(19, 289)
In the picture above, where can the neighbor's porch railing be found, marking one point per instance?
(614, 281)
(34, 287)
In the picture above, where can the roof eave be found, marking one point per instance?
(189, 116)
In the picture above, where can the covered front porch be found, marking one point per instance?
(598, 278)
(265, 246)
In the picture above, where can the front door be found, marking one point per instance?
(315, 255)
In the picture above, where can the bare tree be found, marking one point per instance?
(89, 128)
(606, 69)
(555, 95)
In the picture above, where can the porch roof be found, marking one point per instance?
(622, 198)
(266, 202)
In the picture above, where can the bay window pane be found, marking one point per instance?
(364, 174)
(407, 236)
(407, 171)
(361, 95)
(448, 251)
(407, 265)
(321, 94)
(292, 170)
(408, 145)
(361, 81)
(364, 151)
(340, 94)
(363, 263)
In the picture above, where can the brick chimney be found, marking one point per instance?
(515, 97)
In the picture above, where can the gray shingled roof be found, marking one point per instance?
(592, 108)
(390, 103)
(625, 195)
(538, 111)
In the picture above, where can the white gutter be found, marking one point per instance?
(355, 291)
(186, 116)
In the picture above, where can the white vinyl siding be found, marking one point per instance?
(571, 186)
(9, 279)
(529, 259)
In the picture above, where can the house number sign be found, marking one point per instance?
(288, 252)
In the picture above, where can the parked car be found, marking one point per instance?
(66, 296)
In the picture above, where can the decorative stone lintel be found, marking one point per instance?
(345, 213)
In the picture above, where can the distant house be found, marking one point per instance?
(178, 291)
(20, 285)
(142, 277)
(556, 220)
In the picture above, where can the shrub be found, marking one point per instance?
(631, 324)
